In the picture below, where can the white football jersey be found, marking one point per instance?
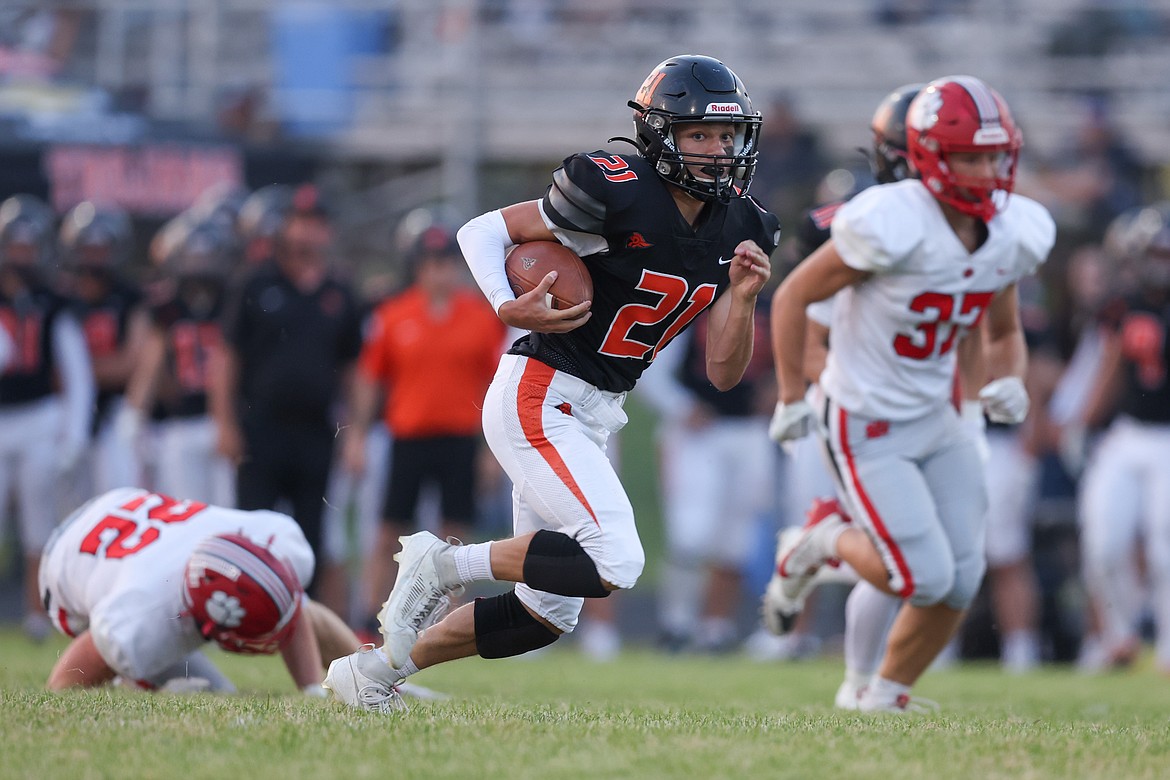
(894, 335)
(116, 565)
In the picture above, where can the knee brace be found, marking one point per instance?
(503, 628)
(556, 563)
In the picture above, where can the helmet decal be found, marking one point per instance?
(962, 114)
(225, 610)
(241, 596)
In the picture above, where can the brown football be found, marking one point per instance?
(528, 263)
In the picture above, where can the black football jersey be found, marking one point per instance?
(190, 339)
(1145, 350)
(105, 324)
(656, 272)
(29, 320)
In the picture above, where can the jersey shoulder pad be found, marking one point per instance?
(591, 185)
(1035, 231)
(882, 225)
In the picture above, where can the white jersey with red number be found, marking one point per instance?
(894, 335)
(116, 567)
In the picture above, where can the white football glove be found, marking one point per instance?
(790, 421)
(1005, 400)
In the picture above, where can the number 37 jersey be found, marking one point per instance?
(653, 273)
(893, 336)
(116, 565)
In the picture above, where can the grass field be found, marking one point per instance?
(558, 716)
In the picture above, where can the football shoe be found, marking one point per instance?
(362, 681)
(421, 594)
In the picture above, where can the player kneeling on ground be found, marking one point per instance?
(141, 581)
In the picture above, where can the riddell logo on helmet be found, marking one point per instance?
(990, 135)
(724, 108)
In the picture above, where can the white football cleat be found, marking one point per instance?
(779, 612)
(900, 704)
(426, 577)
(800, 555)
(361, 680)
(848, 695)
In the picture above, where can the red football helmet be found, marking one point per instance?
(963, 114)
(242, 597)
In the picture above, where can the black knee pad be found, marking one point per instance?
(555, 563)
(504, 628)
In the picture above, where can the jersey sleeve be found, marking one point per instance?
(576, 199)
(874, 231)
(1037, 233)
(576, 204)
(373, 362)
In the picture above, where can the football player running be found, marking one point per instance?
(665, 233)
(1125, 496)
(918, 263)
(141, 581)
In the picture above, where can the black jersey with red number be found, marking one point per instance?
(29, 320)
(190, 338)
(105, 324)
(656, 272)
(1145, 353)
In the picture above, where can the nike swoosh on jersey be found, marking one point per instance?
(721, 261)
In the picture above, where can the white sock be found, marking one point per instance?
(869, 613)
(407, 669)
(831, 537)
(473, 562)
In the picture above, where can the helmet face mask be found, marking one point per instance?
(693, 89)
(241, 596)
(961, 114)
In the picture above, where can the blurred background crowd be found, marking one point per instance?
(157, 155)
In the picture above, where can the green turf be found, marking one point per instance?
(559, 716)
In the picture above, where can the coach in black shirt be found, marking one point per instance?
(291, 336)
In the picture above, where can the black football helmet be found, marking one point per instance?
(95, 238)
(26, 231)
(206, 251)
(891, 161)
(694, 88)
(1139, 240)
(261, 217)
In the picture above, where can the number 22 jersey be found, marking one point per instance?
(115, 567)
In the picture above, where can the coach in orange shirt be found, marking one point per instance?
(433, 350)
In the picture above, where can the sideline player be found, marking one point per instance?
(94, 245)
(665, 233)
(46, 389)
(911, 476)
(1125, 493)
(141, 581)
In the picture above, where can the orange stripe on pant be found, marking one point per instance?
(530, 396)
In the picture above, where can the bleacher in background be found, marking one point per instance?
(518, 79)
